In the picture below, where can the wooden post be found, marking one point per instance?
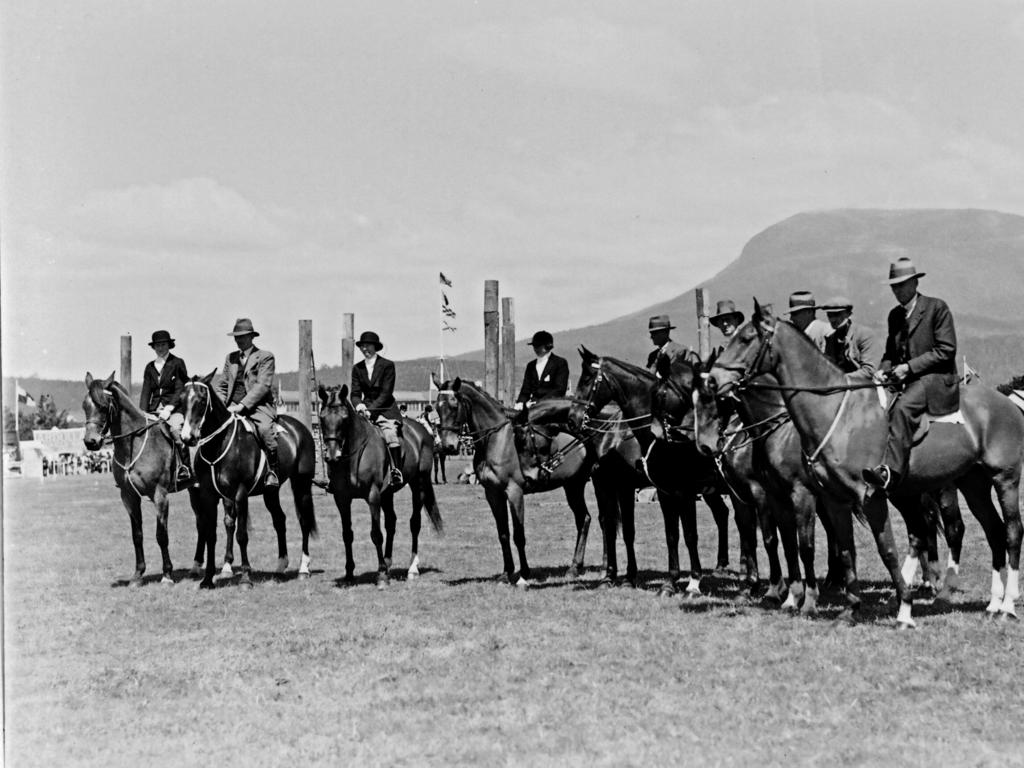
(126, 363)
(508, 351)
(703, 326)
(348, 347)
(305, 414)
(491, 337)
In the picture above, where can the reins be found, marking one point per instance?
(232, 421)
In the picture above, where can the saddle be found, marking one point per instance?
(957, 417)
(1017, 398)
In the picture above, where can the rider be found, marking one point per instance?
(727, 318)
(373, 394)
(849, 345)
(659, 326)
(431, 422)
(802, 313)
(162, 383)
(245, 384)
(920, 355)
(547, 376)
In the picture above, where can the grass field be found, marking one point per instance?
(455, 669)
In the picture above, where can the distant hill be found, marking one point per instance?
(974, 260)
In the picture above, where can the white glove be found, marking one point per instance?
(361, 408)
(165, 413)
(518, 406)
(236, 408)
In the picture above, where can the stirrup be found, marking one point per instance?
(880, 476)
(396, 476)
(272, 480)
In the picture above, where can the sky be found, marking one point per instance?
(179, 165)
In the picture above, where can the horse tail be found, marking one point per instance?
(307, 513)
(430, 502)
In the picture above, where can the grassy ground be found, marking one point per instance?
(456, 669)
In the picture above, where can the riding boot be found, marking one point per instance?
(273, 476)
(396, 462)
(184, 464)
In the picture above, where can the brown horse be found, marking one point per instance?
(145, 464)
(605, 380)
(359, 468)
(512, 461)
(232, 466)
(843, 428)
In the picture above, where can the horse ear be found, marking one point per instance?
(343, 393)
(711, 360)
(437, 382)
(110, 380)
(88, 379)
(209, 377)
(457, 384)
(322, 392)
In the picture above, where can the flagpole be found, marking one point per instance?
(17, 408)
(440, 325)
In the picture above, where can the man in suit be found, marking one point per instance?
(803, 314)
(920, 356)
(849, 345)
(373, 394)
(727, 318)
(162, 383)
(245, 384)
(659, 327)
(546, 376)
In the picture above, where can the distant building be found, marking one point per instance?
(415, 402)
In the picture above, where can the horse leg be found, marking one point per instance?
(1007, 486)
(499, 509)
(344, 504)
(804, 506)
(302, 493)
(229, 533)
(197, 560)
(835, 577)
(770, 540)
(977, 490)
(607, 513)
(578, 505)
(670, 515)
(785, 514)
(160, 501)
(207, 512)
(720, 513)
(387, 503)
(517, 507)
(272, 499)
(133, 504)
(627, 514)
(841, 516)
(688, 517)
(373, 500)
(877, 512)
(415, 521)
(242, 532)
(746, 525)
(953, 529)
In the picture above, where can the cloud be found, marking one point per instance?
(588, 54)
(197, 213)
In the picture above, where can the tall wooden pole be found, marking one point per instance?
(508, 351)
(703, 326)
(305, 372)
(348, 347)
(491, 337)
(126, 363)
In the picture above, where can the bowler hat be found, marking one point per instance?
(726, 309)
(837, 304)
(659, 323)
(159, 336)
(542, 339)
(369, 337)
(801, 300)
(243, 327)
(902, 270)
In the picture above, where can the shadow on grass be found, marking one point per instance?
(178, 574)
(370, 577)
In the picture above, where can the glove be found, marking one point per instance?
(165, 413)
(236, 408)
(518, 406)
(361, 408)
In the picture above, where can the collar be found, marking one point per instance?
(543, 359)
(910, 305)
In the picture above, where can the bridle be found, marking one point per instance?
(588, 420)
(109, 410)
(232, 421)
(461, 425)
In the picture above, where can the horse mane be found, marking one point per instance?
(808, 342)
(633, 369)
(127, 404)
(487, 398)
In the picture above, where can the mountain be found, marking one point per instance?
(974, 259)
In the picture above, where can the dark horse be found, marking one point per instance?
(358, 466)
(231, 465)
(843, 428)
(679, 472)
(511, 461)
(144, 463)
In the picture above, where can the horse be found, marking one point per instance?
(604, 380)
(843, 427)
(358, 465)
(510, 463)
(229, 448)
(144, 465)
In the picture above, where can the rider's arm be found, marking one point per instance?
(944, 348)
(220, 381)
(147, 387)
(264, 381)
(560, 378)
(865, 343)
(526, 390)
(181, 376)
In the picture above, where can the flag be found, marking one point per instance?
(446, 327)
(445, 280)
(25, 397)
(444, 299)
(448, 311)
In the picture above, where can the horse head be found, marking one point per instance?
(197, 399)
(452, 415)
(748, 354)
(98, 405)
(592, 391)
(337, 417)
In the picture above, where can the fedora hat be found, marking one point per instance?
(243, 327)
(369, 337)
(725, 309)
(902, 270)
(659, 323)
(542, 339)
(162, 336)
(837, 304)
(801, 300)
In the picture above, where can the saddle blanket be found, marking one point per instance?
(250, 426)
(957, 417)
(1017, 398)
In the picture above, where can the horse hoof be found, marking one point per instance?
(903, 626)
(413, 574)
(303, 575)
(522, 583)
(846, 618)
(196, 570)
(1008, 618)
(606, 583)
(167, 581)
(206, 584)
(226, 571)
(383, 580)
(667, 590)
(245, 584)
(991, 615)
